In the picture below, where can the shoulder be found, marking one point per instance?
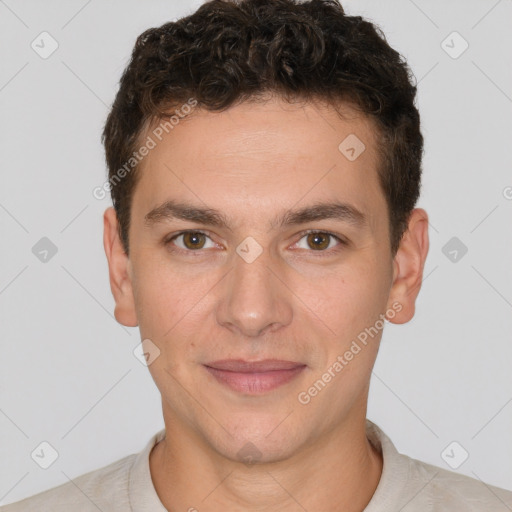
(105, 488)
(411, 485)
(441, 490)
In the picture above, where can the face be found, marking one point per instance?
(282, 253)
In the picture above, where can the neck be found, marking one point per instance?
(340, 471)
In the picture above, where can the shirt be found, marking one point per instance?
(406, 485)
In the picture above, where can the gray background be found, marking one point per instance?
(67, 372)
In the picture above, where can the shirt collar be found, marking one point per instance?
(141, 491)
(395, 472)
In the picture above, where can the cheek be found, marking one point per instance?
(347, 299)
(169, 310)
(165, 295)
(174, 312)
(350, 304)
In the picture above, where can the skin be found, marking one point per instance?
(252, 162)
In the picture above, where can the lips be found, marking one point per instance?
(254, 377)
(241, 366)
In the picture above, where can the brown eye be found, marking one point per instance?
(318, 241)
(321, 242)
(190, 241)
(193, 240)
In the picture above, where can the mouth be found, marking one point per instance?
(254, 377)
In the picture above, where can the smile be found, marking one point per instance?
(254, 378)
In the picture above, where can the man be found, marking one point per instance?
(265, 160)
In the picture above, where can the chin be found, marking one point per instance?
(256, 442)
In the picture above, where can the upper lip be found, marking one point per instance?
(240, 365)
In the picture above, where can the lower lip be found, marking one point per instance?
(255, 383)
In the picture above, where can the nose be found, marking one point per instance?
(255, 298)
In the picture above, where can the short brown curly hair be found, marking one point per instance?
(229, 51)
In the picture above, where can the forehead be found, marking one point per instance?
(263, 157)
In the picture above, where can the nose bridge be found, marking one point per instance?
(254, 300)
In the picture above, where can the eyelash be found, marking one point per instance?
(327, 252)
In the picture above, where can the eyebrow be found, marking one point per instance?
(171, 210)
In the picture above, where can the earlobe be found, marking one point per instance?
(408, 265)
(120, 275)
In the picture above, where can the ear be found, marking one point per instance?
(408, 267)
(119, 267)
